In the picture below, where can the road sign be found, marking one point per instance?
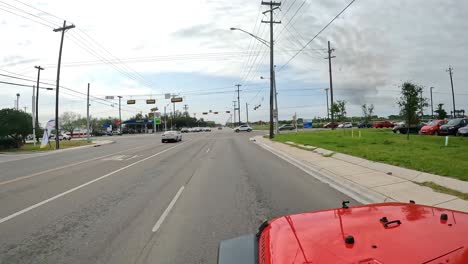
(158, 114)
(109, 97)
(215, 113)
(228, 112)
(150, 101)
(157, 121)
(307, 123)
(176, 100)
(205, 113)
(130, 101)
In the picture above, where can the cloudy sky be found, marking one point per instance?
(144, 49)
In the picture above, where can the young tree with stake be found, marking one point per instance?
(411, 103)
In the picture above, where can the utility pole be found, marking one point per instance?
(273, 6)
(87, 116)
(62, 29)
(173, 116)
(39, 69)
(328, 108)
(17, 101)
(234, 102)
(247, 111)
(165, 118)
(276, 117)
(238, 101)
(120, 115)
(432, 106)
(450, 71)
(422, 106)
(330, 50)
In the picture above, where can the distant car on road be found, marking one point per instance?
(61, 137)
(383, 124)
(331, 125)
(432, 128)
(286, 127)
(207, 129)
(241, 128)
(220, 128)
(463, 131)
(452, 126)
(174, 136)
(184, 130)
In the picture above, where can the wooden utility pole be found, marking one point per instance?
(328, 108)
(273, 6)
(330, 50)
(87, 117)
(62, 29)
(238, 102)
(450, 71)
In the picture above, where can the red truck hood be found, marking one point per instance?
(319, 237)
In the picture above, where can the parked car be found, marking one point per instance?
(452, 126)
(346, 125)
(207, 129)
(432, 128)
(116, 133)
(403, 129)
(174, 136)
(383, 124)
(61, 137)
(463, 131)
(220, 128)
(197, 129)
(331, 125)
(286, 127)
(364, 125)
(241, 128)
(184, 130)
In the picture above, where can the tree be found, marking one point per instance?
(339, 110)
(69, 121)
(411, 103)
(441, 113)
(368, 112)
(15, 124)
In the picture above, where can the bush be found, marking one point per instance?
(8, 143)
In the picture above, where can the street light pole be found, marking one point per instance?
(432, 106)
(39, 69)
(120, 115)
(328, 109)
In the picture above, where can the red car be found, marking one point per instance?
(378, 233)
(432, 128)
(383, 124)
(331, 125)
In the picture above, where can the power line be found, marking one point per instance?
(310, 41)
(35, 21)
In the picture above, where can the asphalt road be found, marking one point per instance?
(141, 201)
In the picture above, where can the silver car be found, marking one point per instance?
(174, 136)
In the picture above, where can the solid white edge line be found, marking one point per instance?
(168, 210)
(82, 185)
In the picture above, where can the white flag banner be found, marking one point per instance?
(49, 126)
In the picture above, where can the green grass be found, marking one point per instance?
(442, 189)
(422, 153)
(29, 147)
(261, 127)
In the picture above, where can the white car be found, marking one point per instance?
(174, 136)
(347, 125)
(61, 137)
(243, 128)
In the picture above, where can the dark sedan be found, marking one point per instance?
(452, 126)
(403, 129)
(364, 125)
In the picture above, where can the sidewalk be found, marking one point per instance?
(367, 181)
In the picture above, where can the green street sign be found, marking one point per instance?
(157, 121)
